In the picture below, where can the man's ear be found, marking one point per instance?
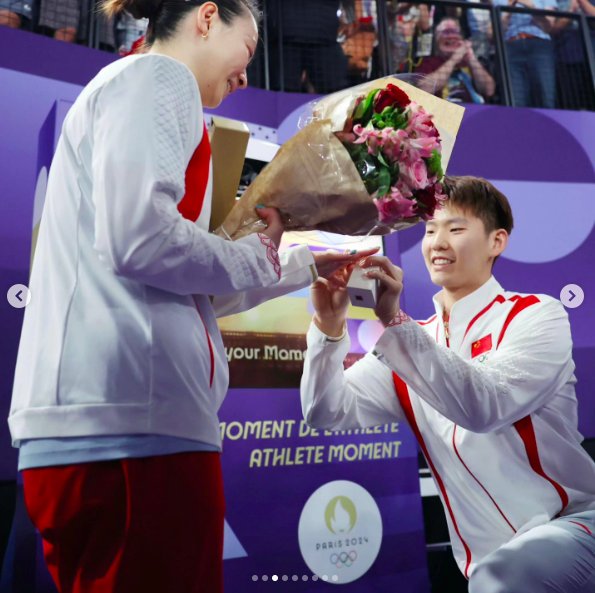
(499, 242)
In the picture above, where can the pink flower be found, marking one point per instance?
(415, 175)
(365, 134)
(420, 123)
(424, 145)
(394, 207)
(373, 145)
(346, 137)
(439, 195)
(403, 188)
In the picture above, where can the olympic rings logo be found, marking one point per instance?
(344, 559)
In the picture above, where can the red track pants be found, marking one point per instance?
(150, 525)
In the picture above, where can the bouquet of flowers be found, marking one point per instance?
(369, 161)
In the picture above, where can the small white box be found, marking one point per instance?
(363, 291)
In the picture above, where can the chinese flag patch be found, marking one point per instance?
(481, 346)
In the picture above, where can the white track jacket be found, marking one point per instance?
(493, 409)
(120, 336)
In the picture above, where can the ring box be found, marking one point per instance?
(363, 292)
(229, 142)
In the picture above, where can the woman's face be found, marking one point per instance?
(448, 37)
(229, 51)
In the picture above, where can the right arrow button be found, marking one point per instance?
(572, 296)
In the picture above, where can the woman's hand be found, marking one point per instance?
(275, 227)
(329, 262)
(391, 286)
(331, 302)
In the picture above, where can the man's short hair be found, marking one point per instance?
(480, 198)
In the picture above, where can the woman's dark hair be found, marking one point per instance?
(166, 15)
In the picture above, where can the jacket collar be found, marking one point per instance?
(465, 310)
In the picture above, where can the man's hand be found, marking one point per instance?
(331, 302)
(275, 227)
(390, 288)
(329, 262)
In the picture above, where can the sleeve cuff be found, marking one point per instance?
(315, 336)
(299, 259)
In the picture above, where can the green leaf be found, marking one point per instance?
(394, 171)
(382, 160)
(383, 182)
(369, 107)
(435, 164)
(359, 112)
(371, 184)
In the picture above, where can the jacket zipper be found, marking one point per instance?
(446, 330)
(211, 352)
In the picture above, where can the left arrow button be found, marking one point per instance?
(19, 296)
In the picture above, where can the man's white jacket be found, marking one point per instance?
(494, 410)
(120, 336)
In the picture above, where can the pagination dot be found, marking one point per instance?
(305, 577)
(335, 577)
(294, 577)
(315, 577)
(275, 577)
(324, 577)
(285, 577)
(255, 578)
(265, 578)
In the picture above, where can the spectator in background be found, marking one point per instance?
(404, 20)
(458, 74)
(60, 19)
(479, 21)
(358, 38)
(313, 60)
(103, 36)
(530, 53)
(16, 14)
(575, 89)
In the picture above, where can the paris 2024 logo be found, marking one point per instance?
(340, 531)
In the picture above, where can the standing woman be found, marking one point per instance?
(121, 368)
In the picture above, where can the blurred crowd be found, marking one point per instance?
(70, 21)
(320, 46)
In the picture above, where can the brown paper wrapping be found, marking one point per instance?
(312, 180)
